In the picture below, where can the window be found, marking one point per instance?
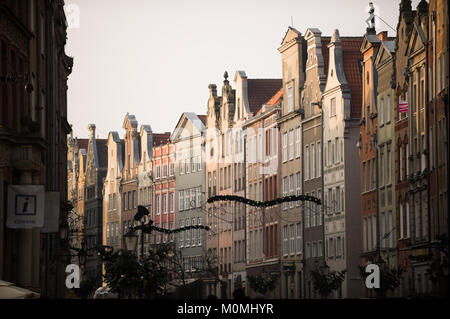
(374, 233)
(292, 242)
(193, 164)
(291, 144)
(388, 109)
(338, 199)
(158, 172)
(290, 99)
(157, 201)
(199, 196)
(314, 249)
(390, 230)
(338, 155)
(187, 165)
(333, 107)
(171, 169)
(369, 233)
(285, 240)
(330, 154)
(331, 248)
(181, 200)
(306, 171)
(298, 183)
(164, 175)
(164, 203)
(291, 189)
(188, 233)
(308, 250)
(171, 202)
(381, 112)
(299, 238)
(441, 79)
(298, 147)
(284, 147)
(408, 227)
(313, 161)
(364, 234)
(383, 230)
(338, 247)
(319, 159)
(389, 166)
(285, 187)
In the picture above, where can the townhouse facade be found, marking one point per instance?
(384, 66)
(308, 146)
(293, 56)
(368, 152)
(262, 169)
(404, 28)
(112, 192)
(341, 113)
(86, 174)
(190, 192)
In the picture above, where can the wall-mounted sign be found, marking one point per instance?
(25, 206)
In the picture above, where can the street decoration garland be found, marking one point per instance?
(149, 228)
(273, 202)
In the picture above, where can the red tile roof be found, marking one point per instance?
(272, 102)
(276, 98)
(352, 56)
(203, 118)
(325, 42)
(160, 138)
(261, 90)
(83, 143)
(102, 152)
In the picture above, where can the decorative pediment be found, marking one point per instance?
(417, 40)
(291, 37)
(385, 53)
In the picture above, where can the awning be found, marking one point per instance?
(9, 291)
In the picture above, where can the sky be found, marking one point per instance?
(156, 58)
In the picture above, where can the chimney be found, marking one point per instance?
(382, 36)
(212, 90)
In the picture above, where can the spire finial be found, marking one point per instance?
(225, 75)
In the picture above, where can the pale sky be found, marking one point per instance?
(156, 58)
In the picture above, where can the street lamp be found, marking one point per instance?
(131, 239)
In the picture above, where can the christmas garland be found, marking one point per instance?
(268, 203)
(149, 228)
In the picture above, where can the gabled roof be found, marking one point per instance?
(102, 152)
(325, 53)
(160, 138)
(274, 100)
(203, 118)
(416, 33)
(82, 143)
(261, 90)
(352, 56)
(290, 33)
(386, 46)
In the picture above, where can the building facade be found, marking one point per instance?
(341, 113)
(33, 138)
(293, 56)
(190, 192)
